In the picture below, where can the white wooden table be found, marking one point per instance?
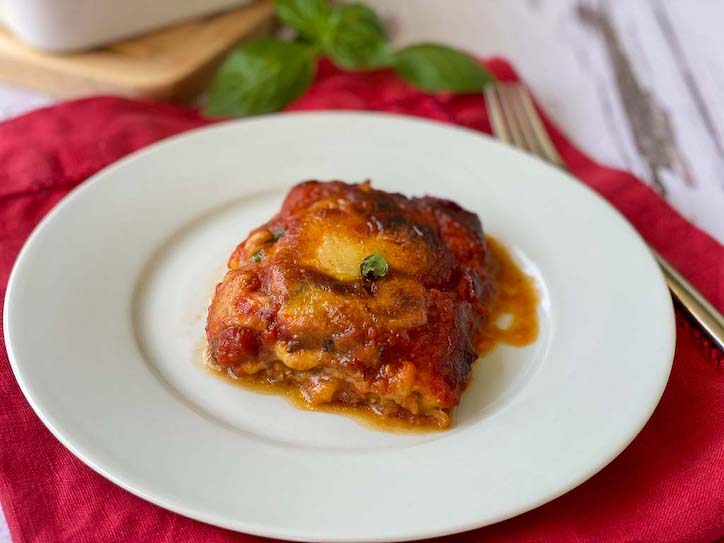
(637, 84)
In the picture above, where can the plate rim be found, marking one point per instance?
(263, 529)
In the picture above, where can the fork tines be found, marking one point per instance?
(515, 121)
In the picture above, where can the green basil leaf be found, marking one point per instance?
(435, 68)
(259, 77)
(310, 18)
(256, 257)
(356, 38)
(278, 233)
(374, 266)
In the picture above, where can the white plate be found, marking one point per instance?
(106, 306)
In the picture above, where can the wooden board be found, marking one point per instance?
(170, 64)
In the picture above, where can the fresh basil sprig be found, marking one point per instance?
(265, 75)
(357, 39)
(262, 76)
(436, 68)
(310, 18)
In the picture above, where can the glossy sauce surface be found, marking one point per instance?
(515, 301)
(513, 320)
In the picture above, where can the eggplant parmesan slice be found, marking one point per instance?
(357, 297)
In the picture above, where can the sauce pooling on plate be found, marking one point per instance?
(513, 320)
(513, 316)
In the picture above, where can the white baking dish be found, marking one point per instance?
(71, 25)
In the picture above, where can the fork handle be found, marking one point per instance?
(705, 314)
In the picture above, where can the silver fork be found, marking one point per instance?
(515, 121)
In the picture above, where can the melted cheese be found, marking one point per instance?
(340, 256)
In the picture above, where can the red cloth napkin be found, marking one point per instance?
(668, 485)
